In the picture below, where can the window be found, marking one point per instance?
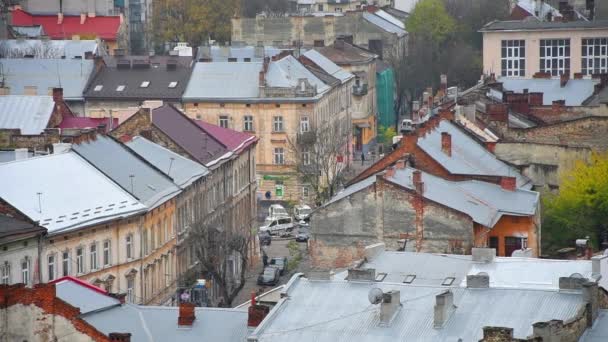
(305, 191)
(129, 244)
(555, 56)
(106, 253)
(448, 281)
(380, 277)
(338, 9)
(65, 263)
(172, 84)
(248, 123)
(25, 271)
(320, 8)
(6, 273)
(279, 156)
(93, 254)
(51, 266)
(98, 87)
(595, 56)
(304, 124)
(130, 291)
(120, 88)
(79, 260)
(224, 121)
(144, 84)
(277, 124)
(513, 57)
(305, 157)
(409, 278)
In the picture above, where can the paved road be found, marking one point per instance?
(278, 248)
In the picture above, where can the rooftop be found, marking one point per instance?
(599, 331)
(87, 122)
(286, 72)
(530, 24)
(575, 92)
(13, 229)
(238, 80)
(44, 74)
(80, 294)
(30, 114)
(35, 31)
(344, 53)
(235, 141)
(388, 26)
(328, 66)
(240, 53)
(68, 49)
(79, 195)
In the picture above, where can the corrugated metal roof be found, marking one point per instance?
(575, 92)
(159, 323)
(78, 195)
(17, 48)
(223, 80)
(328, 66)
(382, 14)
(340, 311)
(222, 53)
(468, 156)
(86, 299)
(183, 171)
(70, 74)
(599, 331)
(383, 24)
(352, 189)
(537, 25)
(286, 72)
(126, 168)
(31, 114)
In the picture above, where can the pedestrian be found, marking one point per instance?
(265, 259)
(362, 158)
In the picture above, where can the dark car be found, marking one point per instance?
(302, 235)
(265, 238)
(270, 276)
(280, 264)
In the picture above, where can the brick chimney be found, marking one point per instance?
(557, 106)
(417, 181)
(563, 79)
(491, 146)
(446, 114)
(120, 337)
(497, 112)
(256, 314)
(389, 307)
(58, 95)
(186, 314)
(508, 183)
(400, 164)
(542, 74)
(390, 172)
(446, 143)
(535, 99)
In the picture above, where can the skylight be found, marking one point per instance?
(380, 276)
(120, 88)
(448, 281)
(98, 87)
(409, 278)
(172, 84)
(144, 84)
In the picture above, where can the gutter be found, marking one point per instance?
(231, 153)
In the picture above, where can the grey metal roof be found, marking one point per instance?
(78, 196)
(537, 25)
(286, 72)
(328, 66)
(35, 31)
(340, 311)
(599, 331)
(223, 80)
(18, 48)
(126, 168)
(388, 17)
(468, 156)
(484, 202)
(222, 53)
(352, 189)
(383, 24)
(159, 323)
(575, 92)
(17, 229)
(31, 114)
(82, 297)
(70, 74)
(183, 171)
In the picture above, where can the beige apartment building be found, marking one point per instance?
(524, 47)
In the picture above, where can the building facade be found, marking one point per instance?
(20, 241)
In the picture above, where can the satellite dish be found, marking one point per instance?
(375, 295)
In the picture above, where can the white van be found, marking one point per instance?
(276, 226)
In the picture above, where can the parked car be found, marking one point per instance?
(302, 212)
(276, 225)
(280, 264)
(265, 238)
(277, 211)
(302, 235)
(270, 276)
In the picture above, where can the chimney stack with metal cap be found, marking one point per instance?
(446, 143)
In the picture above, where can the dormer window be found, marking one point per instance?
(120, 88)
(144, 84)
(172, 84)
(98, 87)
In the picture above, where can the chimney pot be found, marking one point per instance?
(508, 183)
(186, 314)
(444, 82)
(446, 143)
(416, 177)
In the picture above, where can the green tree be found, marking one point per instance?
(581, 207)
(430, 20)
(386, 134)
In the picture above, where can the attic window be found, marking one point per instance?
(144, 84)
(120, 88)
(380, 276)
(448, 281)
(172, 84)
(409, 278)
(98, 87)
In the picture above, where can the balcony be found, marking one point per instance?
(360, 90)
(306, 138)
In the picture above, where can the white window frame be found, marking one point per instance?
(304, 124)
(80, 260)
(305, 157)
(555, 56)
(278, 124)
(131, 289)
(25, 272)
(224, 121)
(278, 156)
(513, 58)
(65, 262)
(93, 256)
(129, 246)
(107, 252)
(5, 273)
(248, 123)
(305, 191)
(594, 55)
(51, 260)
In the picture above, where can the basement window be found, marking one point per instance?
(409, 279)
(380, 276)
(120, 88)
(448, 281)
(144, 84)
(98, 87)
(172, 84)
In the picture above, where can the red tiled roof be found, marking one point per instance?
(79, 122)
(103, 27)
(234, 140)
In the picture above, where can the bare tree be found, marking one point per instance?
(35, 48)
(215, 247)
(319, 158)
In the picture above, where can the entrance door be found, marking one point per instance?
(512, 244)
(359, 140)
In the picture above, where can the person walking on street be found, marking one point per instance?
(362, 158)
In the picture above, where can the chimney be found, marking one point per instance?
(88, 55)
(535, 99)
(120, 337)
(563, 79)
(444, 306)
(446, 143)
(83, 18)
(578, 75)
(591, 296)
(446, 114)
(508, 183)
(478, 281)
(491, 146)
(59, 18)
(186, 314)
(557, 106)
(362, 274)
(417, 182)
(101, 129)
(400, 164)
(58, 96)
(390, 306)
(483, 254)
(256, 314)
(444, 83)
(389, 173)
(542, 74)
(497, 112)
